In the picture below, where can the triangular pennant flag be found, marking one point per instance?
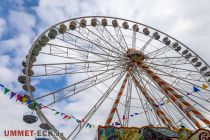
(12, 95)
(53, 109)
(62, 114)
(155, 105)
(57, 113)
(69, 117)
(35, 104)
(136, 113)
(66, 116)
(180, 96)
(188, 93)
(24, 99)
(43, 106)
(6, 90)
(132, 115)
(195, 89)
(29, 102)
(204, 86)
(18, 97)
(90, 125)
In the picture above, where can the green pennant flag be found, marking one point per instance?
(90, 125)
(57, 113)
(35, 104)
(180, 96)
(6, 90)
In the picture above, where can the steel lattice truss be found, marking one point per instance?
(92, 53)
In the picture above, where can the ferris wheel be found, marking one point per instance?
(121, 70)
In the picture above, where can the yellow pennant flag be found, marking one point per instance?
(204, 86)
(24, 99)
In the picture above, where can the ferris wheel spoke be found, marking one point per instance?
(82, 64)
(154, 65)
(175, 63)
(88, 79)
(169, 75)
(72, 92)
(116, 102)
(127, 104)
(103, 31)
(167, 60)
(64, 69)
(134, 39)
(81, 125)
(122, 95)
(121, 38)
(114, 50)
(101, 37)
(146, 44)
(159, 51)
(143, 105)
(67, 50)
(83, 38)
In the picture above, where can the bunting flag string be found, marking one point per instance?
(27, 101)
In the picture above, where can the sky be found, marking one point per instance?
(22, 21)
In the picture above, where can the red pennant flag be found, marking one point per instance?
(66, 116)
(18, 97)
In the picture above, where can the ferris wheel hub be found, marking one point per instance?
(135, 55)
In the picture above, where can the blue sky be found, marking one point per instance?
(21, 21)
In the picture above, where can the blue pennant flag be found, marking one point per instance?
(62, 114)
(195, 89)
(132, 115)
(29, 102)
